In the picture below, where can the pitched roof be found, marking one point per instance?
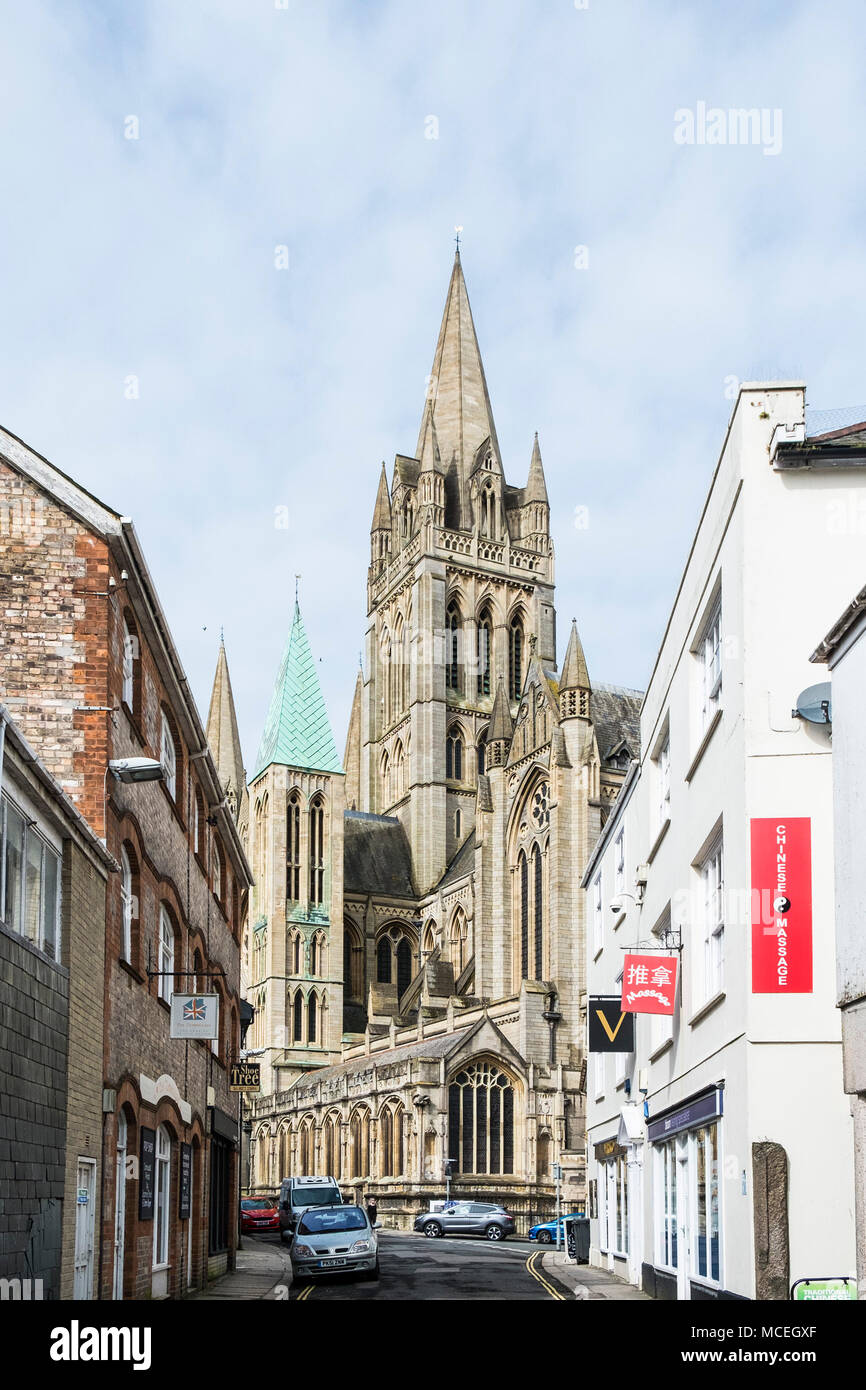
(297, 732)
(376, 855)
(462, 864)
(461, 404)
(615, 715)
(222, 731)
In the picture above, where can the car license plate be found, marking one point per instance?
(329, 1264)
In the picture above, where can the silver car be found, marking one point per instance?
(335, 1240)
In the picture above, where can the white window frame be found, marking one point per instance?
(127, 901)
(599, 1075)
(129, 654)
(161, 1199)
(597, 916)
(166, 956)
(666, 1215)
(613, 1183)
(663, 772)
(709, 652)
(619, 861)
(709, 1131)
(712, 872)
(48, 933)
(168, 758)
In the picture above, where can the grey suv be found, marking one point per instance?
(467, 1219)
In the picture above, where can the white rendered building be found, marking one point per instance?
(720, 1150)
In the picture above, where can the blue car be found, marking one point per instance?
(545, 1231)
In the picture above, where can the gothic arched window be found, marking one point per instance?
(454, 754)
(515, 658)
(383, 961)
(482, 752)
(312, 1019)
(317, 850)
(524, 916)
(483, 649)
(481, 1119)
(353, 962)
(404, 966)
(399, 772)
(298, 1018)
(452, 647)
(538, 911)
(458, 942)
(359, 1144)
(293, 849)
(385, 776)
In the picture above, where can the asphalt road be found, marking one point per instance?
(415, 1269)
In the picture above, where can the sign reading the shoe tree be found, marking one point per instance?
(610, 1028)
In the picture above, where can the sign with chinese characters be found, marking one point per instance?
(610, 1030)
(649, 984)
(782, 906)
(195, 1015)
(245, 1076)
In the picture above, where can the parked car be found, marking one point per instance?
(545, 1231)
(467, 1219)
(259, 1214)
(335, 1240)
(296, 1194)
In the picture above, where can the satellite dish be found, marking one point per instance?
(814, 705)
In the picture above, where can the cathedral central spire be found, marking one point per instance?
(461, 411)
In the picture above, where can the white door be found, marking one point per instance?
(684, 1249)
(190, 1272)
(85, 1217)
(119, 1207)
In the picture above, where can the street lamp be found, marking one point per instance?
(135, 769)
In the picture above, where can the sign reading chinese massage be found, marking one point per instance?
(782, 906)
(649, 984)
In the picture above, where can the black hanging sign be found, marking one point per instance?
(610, 1030)
(147, 1174)
(185, 1185)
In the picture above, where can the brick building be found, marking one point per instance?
(53, 873)
(89, 671)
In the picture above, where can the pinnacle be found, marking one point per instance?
(501, 726)
(575, 675)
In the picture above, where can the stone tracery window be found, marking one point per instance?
(483, 649)
(452, 647)
(515, 657)
(391, 1127)
(481, 1119)
(454, 754)
(359, 1144)
(317, 850)
(293, 849)
(531, 879)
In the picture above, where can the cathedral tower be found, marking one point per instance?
(460, 593)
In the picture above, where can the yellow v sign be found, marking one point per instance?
(606, 1026)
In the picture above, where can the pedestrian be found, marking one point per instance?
(372, 1209)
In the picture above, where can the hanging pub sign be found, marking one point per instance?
(782, 906)
(610, 1029)
(147, 1173)
(184, 1193)
(245, 1076)
(195, 1016)
(649, 984)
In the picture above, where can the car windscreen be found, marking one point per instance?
(317, 1223)
(316, 1197)
(249, 1205)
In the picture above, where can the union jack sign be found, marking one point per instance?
(195, 1016)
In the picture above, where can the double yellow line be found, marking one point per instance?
(532, 1264)
(305, 1293)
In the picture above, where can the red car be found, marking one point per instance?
(259, 1214)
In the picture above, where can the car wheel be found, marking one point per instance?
(544, 1238)
(372, 1274)
(432, 1229)
(495, 1232)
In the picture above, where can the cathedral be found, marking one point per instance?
(414, 948)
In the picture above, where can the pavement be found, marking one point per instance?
(263, 1272)
(587, 1282)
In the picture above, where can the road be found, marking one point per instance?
(415, 1269)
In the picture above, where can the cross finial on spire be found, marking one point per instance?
(458, 230)
(297, 581)
(222, 636)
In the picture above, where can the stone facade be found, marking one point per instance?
(477, 778)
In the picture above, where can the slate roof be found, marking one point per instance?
(615, 715)
(462, 864)
(376, 855)
(439, 1046)
(297, 732)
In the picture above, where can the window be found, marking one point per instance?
(481, 1120)
(162, 1197)
(217, 870)
(599, 1075)
(168, 758)
(597, 918)
(297, 953)
(704, 1163)
(166, 956)
(515, 659)
(710, 657)
(130, 655)
(482, 753)
(127, 905)
(383, 961)
(458, 824)
(484, 642)
(666, 1204)
(663, 773)
(619, 862)
(523, 871)
(538, 911)
(30, 888)
(391, 1141)
(613, 1205)
(298, 1018)
(404, 966)
(452, 637)
(317, 851)
(197, 819)
(312, 1007)
(454, 755)
(712, 881)
(293, 849)
(359, 1144)
(458, 943)
(399, 772)
(385, 775)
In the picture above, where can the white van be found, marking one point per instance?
(298, 1193)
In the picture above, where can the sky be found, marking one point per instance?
(226, 235)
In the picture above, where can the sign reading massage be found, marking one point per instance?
(649, 984)
(195, 1016)
(782, 906)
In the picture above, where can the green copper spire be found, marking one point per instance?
(297, 732)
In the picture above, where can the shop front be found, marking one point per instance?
(685, 1158)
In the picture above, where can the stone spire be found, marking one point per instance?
(574, 686)
(536, 488)
(297, 732)
(352, 755)
(222, 734)
(458, 392)
(382, 510)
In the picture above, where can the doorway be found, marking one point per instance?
(85, 1217)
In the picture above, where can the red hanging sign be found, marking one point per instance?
(649, 984)
(782, 906)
